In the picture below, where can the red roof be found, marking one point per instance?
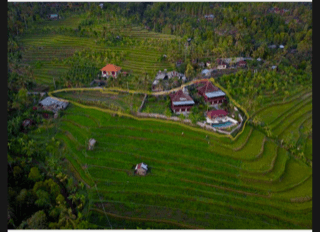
(216, 113)
(208, 88)
(221, 62)
(242, 62)
(111, 68)
(178, 96)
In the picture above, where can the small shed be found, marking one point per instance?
(53, 16)
(259, 59)
(281, 46)
(274, 67)
(53, 104)
(206, 72)
(141, 169)
(242, 63)
(92, 142)
(27, 122)
(272, 46)
(178, 63)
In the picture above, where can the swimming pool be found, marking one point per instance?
(225, 124)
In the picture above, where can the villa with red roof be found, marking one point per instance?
(110, 70)
(181, 102)
(218, 116)
(211, 93)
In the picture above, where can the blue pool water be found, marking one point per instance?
(227, 123)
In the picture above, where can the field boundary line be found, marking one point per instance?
(276, 123)
(152, 93)
(147, 219)
(304, 92)
(291, 110)
(174, 208)
(220, 194)
(308, 113)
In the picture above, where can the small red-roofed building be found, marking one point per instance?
(221, 64)
(110, 70)
(212, 114)
(242, 63)
(181, 102)
(216, 116)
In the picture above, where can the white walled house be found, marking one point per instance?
(110, 70)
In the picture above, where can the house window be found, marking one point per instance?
(113, 73)
(104, 72)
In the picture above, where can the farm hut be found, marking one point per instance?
(181, 102)
(53, 104)
(163, 75)
(274, 67)
(110, 70)
(178, 63)
(242, 63)
(53, 16)
(221, 64)
(211, 93)
(259, 59)
(201, 64)
(141, 169)
(101, 5)
(92, 142)
(206, 72)
(209, 17)
(27, 122)
(281, 46)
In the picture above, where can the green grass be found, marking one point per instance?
(155, 105)
(291, 119)
(197, 180)
(265, 163)
(294, 128)
(196, 183)
(122, 101)
(276, 113)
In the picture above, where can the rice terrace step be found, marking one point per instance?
(176, 115)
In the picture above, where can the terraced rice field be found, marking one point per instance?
(288, 120)
(123, 101)
(195, 181)
(50, 48)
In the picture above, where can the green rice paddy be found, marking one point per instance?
(247, 183)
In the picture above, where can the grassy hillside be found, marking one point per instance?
(192, 184)
(47, 47)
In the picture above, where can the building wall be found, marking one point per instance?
(109, 73)
(181, 109)
(215, 100)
